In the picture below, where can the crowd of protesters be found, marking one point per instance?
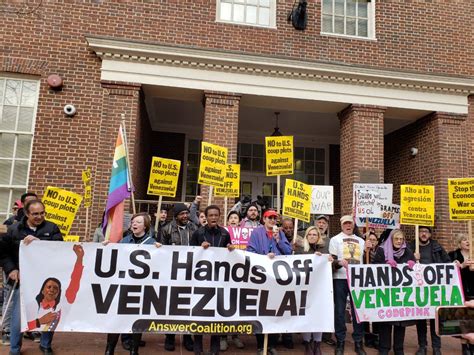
(271, 236)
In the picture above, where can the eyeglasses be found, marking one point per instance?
(37, 214)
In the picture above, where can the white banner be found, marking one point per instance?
(121, 288)
(389, 218)
(381, 293)
(367, 202)
(322, 199)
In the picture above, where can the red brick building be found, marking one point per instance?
(364, 83)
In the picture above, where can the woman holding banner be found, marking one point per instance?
(313, 243)
(140, 234)
(461, 257)
(393, 251)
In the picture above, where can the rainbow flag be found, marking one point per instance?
(119, 190)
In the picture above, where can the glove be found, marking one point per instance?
(411, 264)
(392, 263)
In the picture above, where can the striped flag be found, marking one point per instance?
(119, 190)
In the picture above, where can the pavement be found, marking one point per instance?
(93, 343)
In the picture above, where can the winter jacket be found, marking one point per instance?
(170, 234)
(438, 253)
(467, 276)
(146, 239)
(259, 243)
(216, 236)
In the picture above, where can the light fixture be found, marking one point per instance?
(276, 132)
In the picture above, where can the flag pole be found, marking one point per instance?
(132, 194)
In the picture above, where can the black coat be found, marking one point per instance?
(169, 234)
(438, 253)
(10, 242)
(217, 236)
(467, 276)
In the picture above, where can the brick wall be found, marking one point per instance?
(361, 148)
(442, 145)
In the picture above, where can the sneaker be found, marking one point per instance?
(6, 339)
(46, 351)
(238, 343)
(223, 345)
(36, 336)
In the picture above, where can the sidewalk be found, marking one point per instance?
(94, 344)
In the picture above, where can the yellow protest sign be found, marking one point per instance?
(231, 182)
(417, 205)
(71, 238)
(86, 179)
(213, 165)
(461, 199)
(164, 175)
(297, 200)
(279, 155)
(61, 207)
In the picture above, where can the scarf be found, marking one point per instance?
(388, 250)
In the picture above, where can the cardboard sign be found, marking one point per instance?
(382, 293)
(461, 199)
(213, 165)
(177, 289)
(231, 182)
(86, 179)
(367, 204)
(322, 199)
(61, 207)
(164, 175)
(71, 238)
(279, 155)
(417, 205)
(240, 236)
(297, 200)
(389, 218)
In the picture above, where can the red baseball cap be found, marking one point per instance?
(269, 213)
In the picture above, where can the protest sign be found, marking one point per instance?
(367, 204)
(213, 165)
(164, 175)
(297, 200)
(231, 186)
(279, 155)
(71, 238)
(382, 293)
(240, 236)
(141, 288)
(86, 179)
(61, 207)
(389, 218)
(461, 199)
(322, 199)
(417, 205)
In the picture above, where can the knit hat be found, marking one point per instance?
(180, 207)
(426, 227)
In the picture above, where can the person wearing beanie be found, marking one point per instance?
(178, 232)
(346, 248)
(431, 252)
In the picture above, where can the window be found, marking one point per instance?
(192, 169)
(247, 12)
(18, 100)
(348, 17)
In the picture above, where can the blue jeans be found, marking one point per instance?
(341, 291)
(7, 313)
(16, 336)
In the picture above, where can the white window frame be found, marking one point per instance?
(15, 132)
(370, 24)
(272, 24)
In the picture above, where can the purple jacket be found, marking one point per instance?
(260, 244)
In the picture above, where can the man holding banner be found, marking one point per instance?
(346, 248)
(431, 252)
(32, 227)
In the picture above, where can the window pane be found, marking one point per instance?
(2, 83)
(20, 173)
(191, 188)
(25, 119)
(12, 93)
(4, 195)
(28, 94)
(264, 16)
(351, 7)
(192, 174)
(265, 3)
(339, 24)
(362, 8)
(8, 118)
(7, 142)
(327, 6)
(299, 165)
(251, 14)
(226, 11)
(362, 28)
(339, 7)
(319, 154)
(23, 146)
(309, 154)
(258, 150)
(309, 167)
(319, 168)
(327, 24)
(245, 150)
(5, 170)
(257, 164)
(319, 180)
(245, 163)
(299, 153)
(194, 146)
(16, 195)
(350, 26)
(239, 13)
(252, 2)
(193, 159)
(246, 188)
